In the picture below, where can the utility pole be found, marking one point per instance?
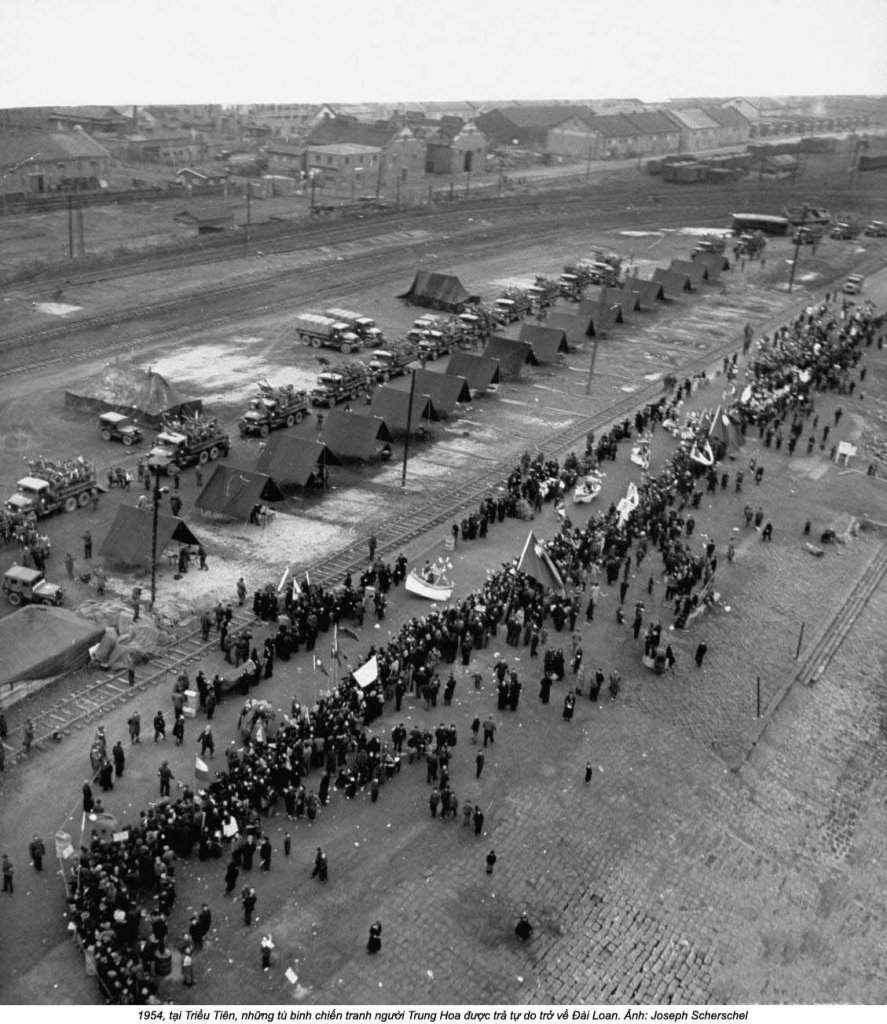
(798, 235)
(588, 162)
(406, 443)
(71, 227)
(157, 492)
(591, 363)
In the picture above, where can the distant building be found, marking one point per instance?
(91, 119)
(285, 158)
(176, 149)
(697, 129)
(346, 165)
(45, 161)
(453, 147)
(526, 127)
(401, 154)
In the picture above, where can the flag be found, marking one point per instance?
(319, 666)
(367, 673)
(201, 769)
(345, 631)
(536, 563)
(334, 646)
(629, 503)
(702, 455)
(283, 579)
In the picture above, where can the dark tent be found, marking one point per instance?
(291, 460)
(444, 390)
(695, 271)
(126, 388)
(601, 317)
(438, 291)
(649, 292)
(512, 355)
(129, 540)
(40, 641)
(629, 299)
(713, 262)
(576, 328)
(610, 296)
(547, 342)
(352, 435)
(672, 284)
(481, 373)
(235, 492)
(393, 406)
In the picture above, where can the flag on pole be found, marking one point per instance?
(201, 769)
(286, 573)
(334, 646)
(536, 563)
(625, 506)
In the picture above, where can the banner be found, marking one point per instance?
(367, 673)
(536, 563)
(201, 769)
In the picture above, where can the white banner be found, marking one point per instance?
(367, 673)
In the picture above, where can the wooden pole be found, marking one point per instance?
(759, 698)
(406, 443)
(800, 641)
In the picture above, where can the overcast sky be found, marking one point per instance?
(65, 52)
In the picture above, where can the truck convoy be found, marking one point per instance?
(185, 442)
(342, 382)
(274, 407)
(392, 361)
(363, 326)
(52, 486)
(326, 332)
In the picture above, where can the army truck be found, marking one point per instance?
(114, 426)
(363, 326)
(186, 442)
(393, 361)
(29, 586)
(326, 332)
(53, 486)
(340, 383)
(274, 407)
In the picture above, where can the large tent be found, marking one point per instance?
(547, 342)
(235, 492)
(393, 406)
(438, 291)
(600, 317)
(695, 271)
(649, 292)
(130, 539)
(123, 387)
(480, 372)
(629, 298)
(673, 284)
(40, 641)
(511, 353)
(351, 435)
(575, 328)
(444, 390)
(294, 461)
(713, 262)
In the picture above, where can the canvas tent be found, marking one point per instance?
(628, 298)
(445, 391)
(547, 342)
(293, 461)
(393, 406)
(480, 372)
(601, 317)
(234, 492)
(130, 539)
(575, 328)
(649, 292)
(695, 271)
(672, 284)
(512, 355)
(713, 262)
(126, 388)
(40, 641)
(354, 436)
(438, 291)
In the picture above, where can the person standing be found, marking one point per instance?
(88, 798)
(8, 872)
(371, 544)
(165, 774)
(207, 742)
(489, 730)
(37, 851)
(87, 545)
(187, 967)
(119, 759)
(69, 565)
(241, 592)
(374, 943)
(478, 820)
(248, 897)
(231, 873)
(479, 761)
(588, 772)
(700, 653)
(321, 867)
(491, 861)
(265, 854)
(178, 730)
(159, 727)
(135, 727)
(523, 929)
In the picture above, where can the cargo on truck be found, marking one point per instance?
(321, 331)
(392, 361)
(274, 407)
(340, 383)
(363, 326)
(52, 486)
(185, 442)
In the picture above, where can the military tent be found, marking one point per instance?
(695, 271)
(294, 461)
(629, 299)
(393, 406)
(547, 342)
(512, 355)
(40, 641)
(444, 390)
(126, 388)
(480, 373)
(672, 284)
(714, 263)
(601, 317)
(649, 292)
(438, 291)
(576, 328)
(235, 492)
(130, 539)
(357, 437)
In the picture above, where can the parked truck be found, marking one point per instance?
(274, 407)
(393, 361)
(512, 305)
(340, 383)
(321, 331)
(363, 326)
(114, 426)
(185, 442)
(53, 486)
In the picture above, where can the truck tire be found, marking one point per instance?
(304, 339)
(214, 453)
(203, 457)
(299, 416)
(127, 440)
(264, 430)
(83, 499)
(106, 435)
(71, 504)
(14, 598)
(346, 348)
(316, 343)
(291, 419)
